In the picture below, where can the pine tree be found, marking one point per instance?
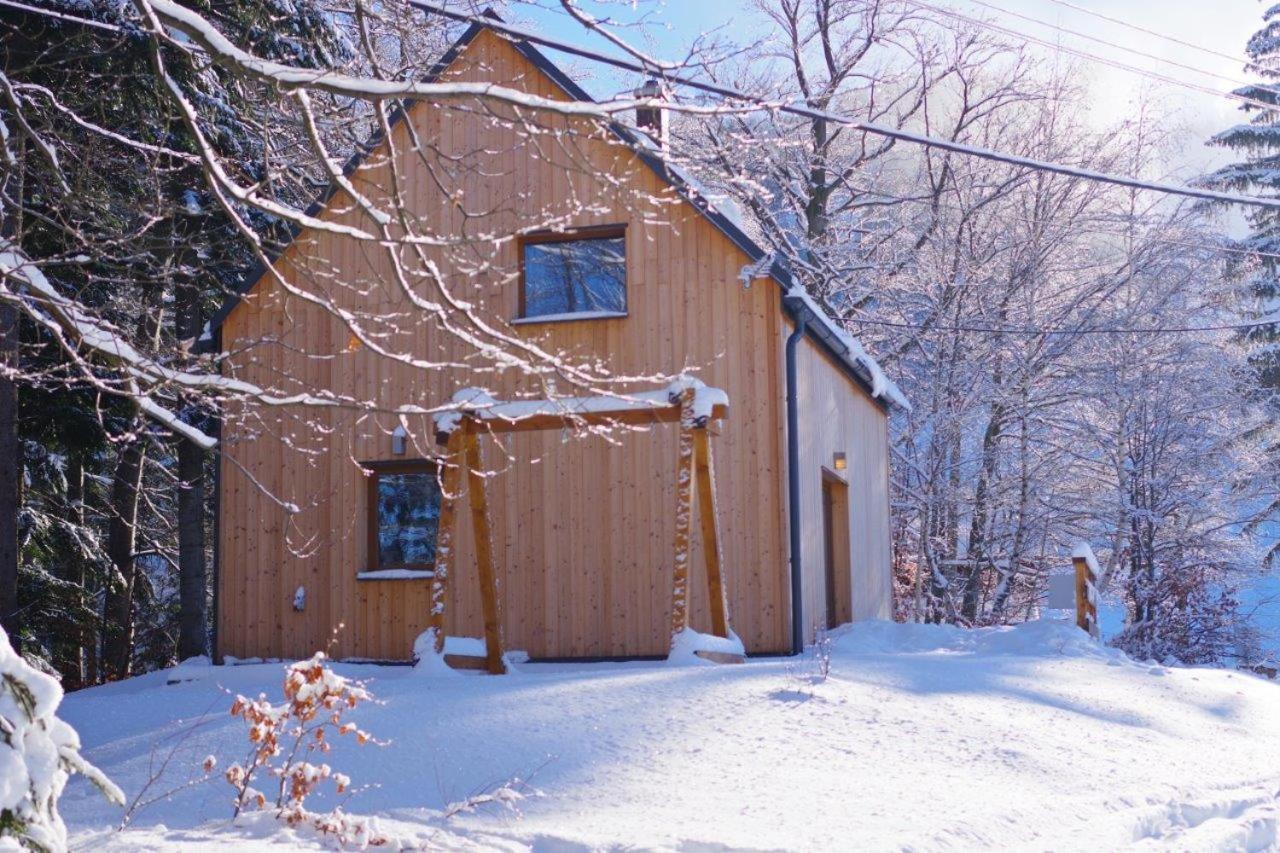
(1257, 140)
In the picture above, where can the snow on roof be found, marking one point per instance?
(725, 214)
(882, 387)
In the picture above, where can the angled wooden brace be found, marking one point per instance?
(489, 604)
(708, 513)
(695, 466)
(446, 530)
(463, 451)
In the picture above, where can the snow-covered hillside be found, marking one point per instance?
(923, 737)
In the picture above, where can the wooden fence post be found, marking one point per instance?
(1086, 605)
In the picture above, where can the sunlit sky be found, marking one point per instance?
(1219, 27)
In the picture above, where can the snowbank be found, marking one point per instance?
(1044, 637)
(928, 737)
(686, 644)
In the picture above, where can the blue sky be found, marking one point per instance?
(1219, 27)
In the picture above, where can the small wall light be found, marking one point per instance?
(398, 438)
(840, 462)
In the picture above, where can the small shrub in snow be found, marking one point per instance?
(39, 754)
(156, 788)
(814, 667)
(286, 737)
(506, 796)
(821, 654)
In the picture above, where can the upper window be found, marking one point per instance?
(404, 515)
(575, 275)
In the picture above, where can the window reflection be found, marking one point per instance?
(408, 519)
(575, 276)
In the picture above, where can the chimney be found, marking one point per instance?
(652, 120)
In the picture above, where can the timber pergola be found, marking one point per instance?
(686, 401)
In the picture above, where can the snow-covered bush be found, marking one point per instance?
(285, 737)
(1182, 615)
(40, 753)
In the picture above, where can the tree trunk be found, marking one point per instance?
(1001, 602)
(10, 473)
(193, 631)
(69, 647)
(981, 513)
(118, 632)
(10, 441)
(193, 587)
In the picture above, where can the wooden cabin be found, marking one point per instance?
(324, 527)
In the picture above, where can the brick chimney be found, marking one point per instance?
(652, 120)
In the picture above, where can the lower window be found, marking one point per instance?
(404, 515)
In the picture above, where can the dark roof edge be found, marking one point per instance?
(818, 330)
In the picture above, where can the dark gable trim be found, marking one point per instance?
(398, 113)
(816, 330)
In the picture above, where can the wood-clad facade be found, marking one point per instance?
(583, 525)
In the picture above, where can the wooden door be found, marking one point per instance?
(837, 570)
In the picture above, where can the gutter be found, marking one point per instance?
(795, 307)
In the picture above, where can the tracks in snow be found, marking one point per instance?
(1247, 819)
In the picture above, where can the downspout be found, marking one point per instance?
(795, 307)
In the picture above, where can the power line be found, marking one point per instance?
(1146, 31)
(1084, 54)
(886, 195)
(806, 111)
(1131, 50)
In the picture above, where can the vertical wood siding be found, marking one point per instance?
(582, 527)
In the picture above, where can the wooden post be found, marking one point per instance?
(484, 557)
(1086, 609)
(707, 513)
(446, 528)
(684, 512)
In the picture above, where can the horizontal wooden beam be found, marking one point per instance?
(467, 662)
(630, 416)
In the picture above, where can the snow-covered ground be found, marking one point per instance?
(922, 737)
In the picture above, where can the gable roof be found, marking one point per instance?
(820, 327)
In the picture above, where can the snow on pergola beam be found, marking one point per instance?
(646, 407)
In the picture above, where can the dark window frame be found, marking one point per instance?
(376, 470)
(586, 232)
